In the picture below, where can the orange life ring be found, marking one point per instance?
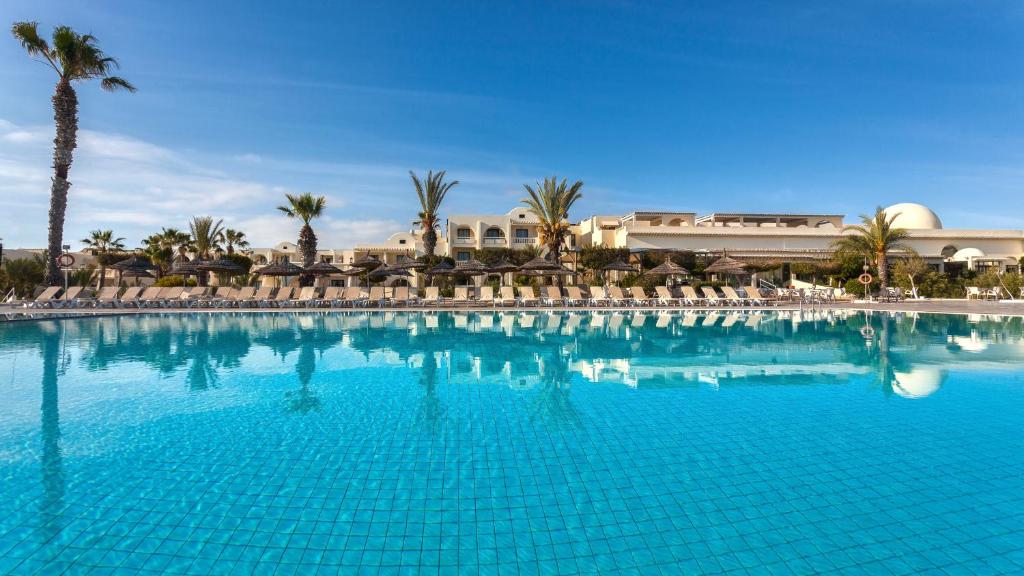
(865, 278)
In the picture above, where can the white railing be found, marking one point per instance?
(494, 241)
(465, 241)
(530, 240)
(8, 297)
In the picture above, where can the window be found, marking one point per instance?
(522, 216)
(522, 233)
(494, 233)
(402, 241)
(400, 257)
(462, 256)
(327, 259)
(463, 233)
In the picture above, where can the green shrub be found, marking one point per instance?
(24, 274)
(173, 281)
(856, 289)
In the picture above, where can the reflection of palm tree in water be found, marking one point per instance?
(304, 400)
(430, 411)
(52, 464)
(553, 403)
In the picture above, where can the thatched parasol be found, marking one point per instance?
(221, 266)
(471, 267)
(385, 271)
(540, 263)
(135, 262)
(668, 268)
(133, 267)
(417, 265)
(503, 267)
(367, 262)
(726, 265)
(619, 266)
(280, 269)
(443, 268)
(321, 269)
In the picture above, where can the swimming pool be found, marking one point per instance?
(512, 443)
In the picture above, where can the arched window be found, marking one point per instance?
(494, 233)
(949, 251)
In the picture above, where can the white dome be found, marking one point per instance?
(913, 216)
(967, 254)
(918, 383)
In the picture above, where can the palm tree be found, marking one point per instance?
(74, 57)
(874, 239)
(431, 192)
(305, 207)
(234, 238)
(206, 236)
(550, 202)
(101, 243)
(158, 252)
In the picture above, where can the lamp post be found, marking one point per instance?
(66, 248)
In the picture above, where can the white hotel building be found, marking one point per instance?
(752, 236)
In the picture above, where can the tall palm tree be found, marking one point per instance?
(874, 239)
(305, 207)
(206, 234)
(550, 202)
(431, 192)
(74, 57)
(233, 238)
(101, 243)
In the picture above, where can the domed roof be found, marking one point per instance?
(913, 216)
(921, 381)
(967, 254)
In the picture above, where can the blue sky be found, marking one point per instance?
(759, 106)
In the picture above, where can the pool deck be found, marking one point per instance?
(1003, 308)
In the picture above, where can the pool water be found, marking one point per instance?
(512, 443)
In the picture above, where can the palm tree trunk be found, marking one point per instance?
(307, 245)
(103, 275)
(883, 270)
(429, 240)
(65, 117)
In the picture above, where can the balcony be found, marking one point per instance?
(494, 241)
(529, 241)
(465, 241)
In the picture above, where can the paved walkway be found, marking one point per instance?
(1013, 308)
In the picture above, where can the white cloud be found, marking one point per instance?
(136, 187)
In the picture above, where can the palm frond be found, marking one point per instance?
(112, 83)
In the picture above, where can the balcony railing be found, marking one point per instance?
(494, 241)
(525, 241)
(470, 241)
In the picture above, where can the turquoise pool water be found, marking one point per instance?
(536, 443)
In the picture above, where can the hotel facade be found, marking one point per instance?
(784, 238)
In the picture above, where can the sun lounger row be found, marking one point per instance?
(379, 296)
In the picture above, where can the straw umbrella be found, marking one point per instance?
(470, 268)
(727, 265)
(669, 269)
(618, 266)
(318, 269)
(134, 273)
(367, 263)
(503, 267)
(133, 267)
(219, 266)
(282, 269)
(385, 272)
